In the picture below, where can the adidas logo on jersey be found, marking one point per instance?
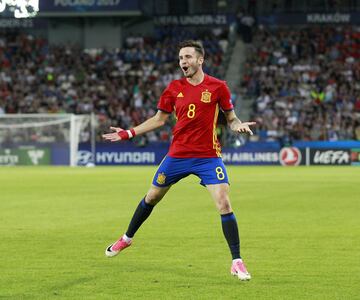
(180, 95)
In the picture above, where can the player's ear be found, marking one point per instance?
(201, 59)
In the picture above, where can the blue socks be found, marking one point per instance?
(142, 212)
(231, 233)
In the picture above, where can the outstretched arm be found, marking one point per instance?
(236, 125)
(150, 124)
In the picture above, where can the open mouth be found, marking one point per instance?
(185, 69)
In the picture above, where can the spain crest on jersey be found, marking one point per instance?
(161, 178)
(206, 96)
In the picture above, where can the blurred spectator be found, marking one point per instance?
(121, 87)
(306, 83)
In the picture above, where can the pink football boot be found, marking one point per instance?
(115, 248)
(238, 269)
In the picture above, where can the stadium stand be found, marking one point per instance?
(120, 86)
(305, 82)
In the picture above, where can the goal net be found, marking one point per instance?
(42, 139)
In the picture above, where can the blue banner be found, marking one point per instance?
(259, 153)
(327, 145)
(60, 154)
(252, 153)
(125, 153)
(23, 23)
(83, 6)
(195, 20)
(309, 18)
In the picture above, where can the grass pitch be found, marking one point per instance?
(299, 227)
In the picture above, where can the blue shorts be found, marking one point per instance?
(209, 170)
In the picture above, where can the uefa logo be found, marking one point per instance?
(290, 156)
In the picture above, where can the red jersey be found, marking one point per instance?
(196, 109)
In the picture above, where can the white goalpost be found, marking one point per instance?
(42, 138)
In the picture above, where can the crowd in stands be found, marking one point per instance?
(306, 83)
(121, 86)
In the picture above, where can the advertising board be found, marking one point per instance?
(25, 156)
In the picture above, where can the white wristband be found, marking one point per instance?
(129, 133)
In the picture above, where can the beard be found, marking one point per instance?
(190, 72)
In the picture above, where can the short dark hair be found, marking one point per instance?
(195, 44)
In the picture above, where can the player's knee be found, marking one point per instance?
(153, 197)
(223, 202)
(222, 195)
(224, 207)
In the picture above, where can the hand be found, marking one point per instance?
(114, 136)
(244, 127)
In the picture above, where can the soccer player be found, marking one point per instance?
(195, 100)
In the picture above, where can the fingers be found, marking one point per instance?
(245, 128)
(250, 123)
(112, 137)
(107, 135)
(117, 129)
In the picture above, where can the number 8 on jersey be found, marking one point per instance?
(191, 111)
